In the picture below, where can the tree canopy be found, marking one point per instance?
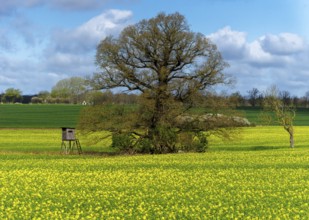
(168, 64)
(72, 88)
(162, 55)
(12, 95)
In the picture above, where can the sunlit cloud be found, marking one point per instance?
(280, 59)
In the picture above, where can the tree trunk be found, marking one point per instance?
(290, 130)
(291, 139)
(160, 132)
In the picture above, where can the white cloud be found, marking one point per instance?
(231, 43)
(282, 44)
(110, 22)
(267, 50)
(85, 37)
(72, 51)
(271, 59)
(255, 53)
(15, 71)
(70, 64)
(32, 65)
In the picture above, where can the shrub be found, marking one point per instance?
(164, 139)
(124, 142)
(201, 142)
(36, 100)
(193, 142)
(144, 146)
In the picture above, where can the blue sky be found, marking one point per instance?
(264, 41)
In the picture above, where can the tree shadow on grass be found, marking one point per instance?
(259, 148)
(249, 148)
(99, 153)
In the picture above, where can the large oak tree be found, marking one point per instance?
(167, 63)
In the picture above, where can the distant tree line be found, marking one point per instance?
(11, 95)
(256, 98)
(75, 90)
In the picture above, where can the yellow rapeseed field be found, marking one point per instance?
(256, 177)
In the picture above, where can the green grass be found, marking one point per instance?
(55, 116)
(38, 116)
(253, 115)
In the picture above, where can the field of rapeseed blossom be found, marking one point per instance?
(249, 182)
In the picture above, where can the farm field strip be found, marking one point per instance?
(41, 141)
(66, 115)
(38, 116)
(49, 140)
(254, 177)
(244, 185)
(262, 138)
(253, 115)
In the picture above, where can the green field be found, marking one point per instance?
(55, 116)
(301, 119)
(38, 116)
(256, 176)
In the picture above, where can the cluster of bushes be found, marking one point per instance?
(179, 142)
(37, 100)
(90, 97)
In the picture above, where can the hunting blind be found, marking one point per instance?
(69, 141)
(68, 134)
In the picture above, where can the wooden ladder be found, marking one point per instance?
(69, 148)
